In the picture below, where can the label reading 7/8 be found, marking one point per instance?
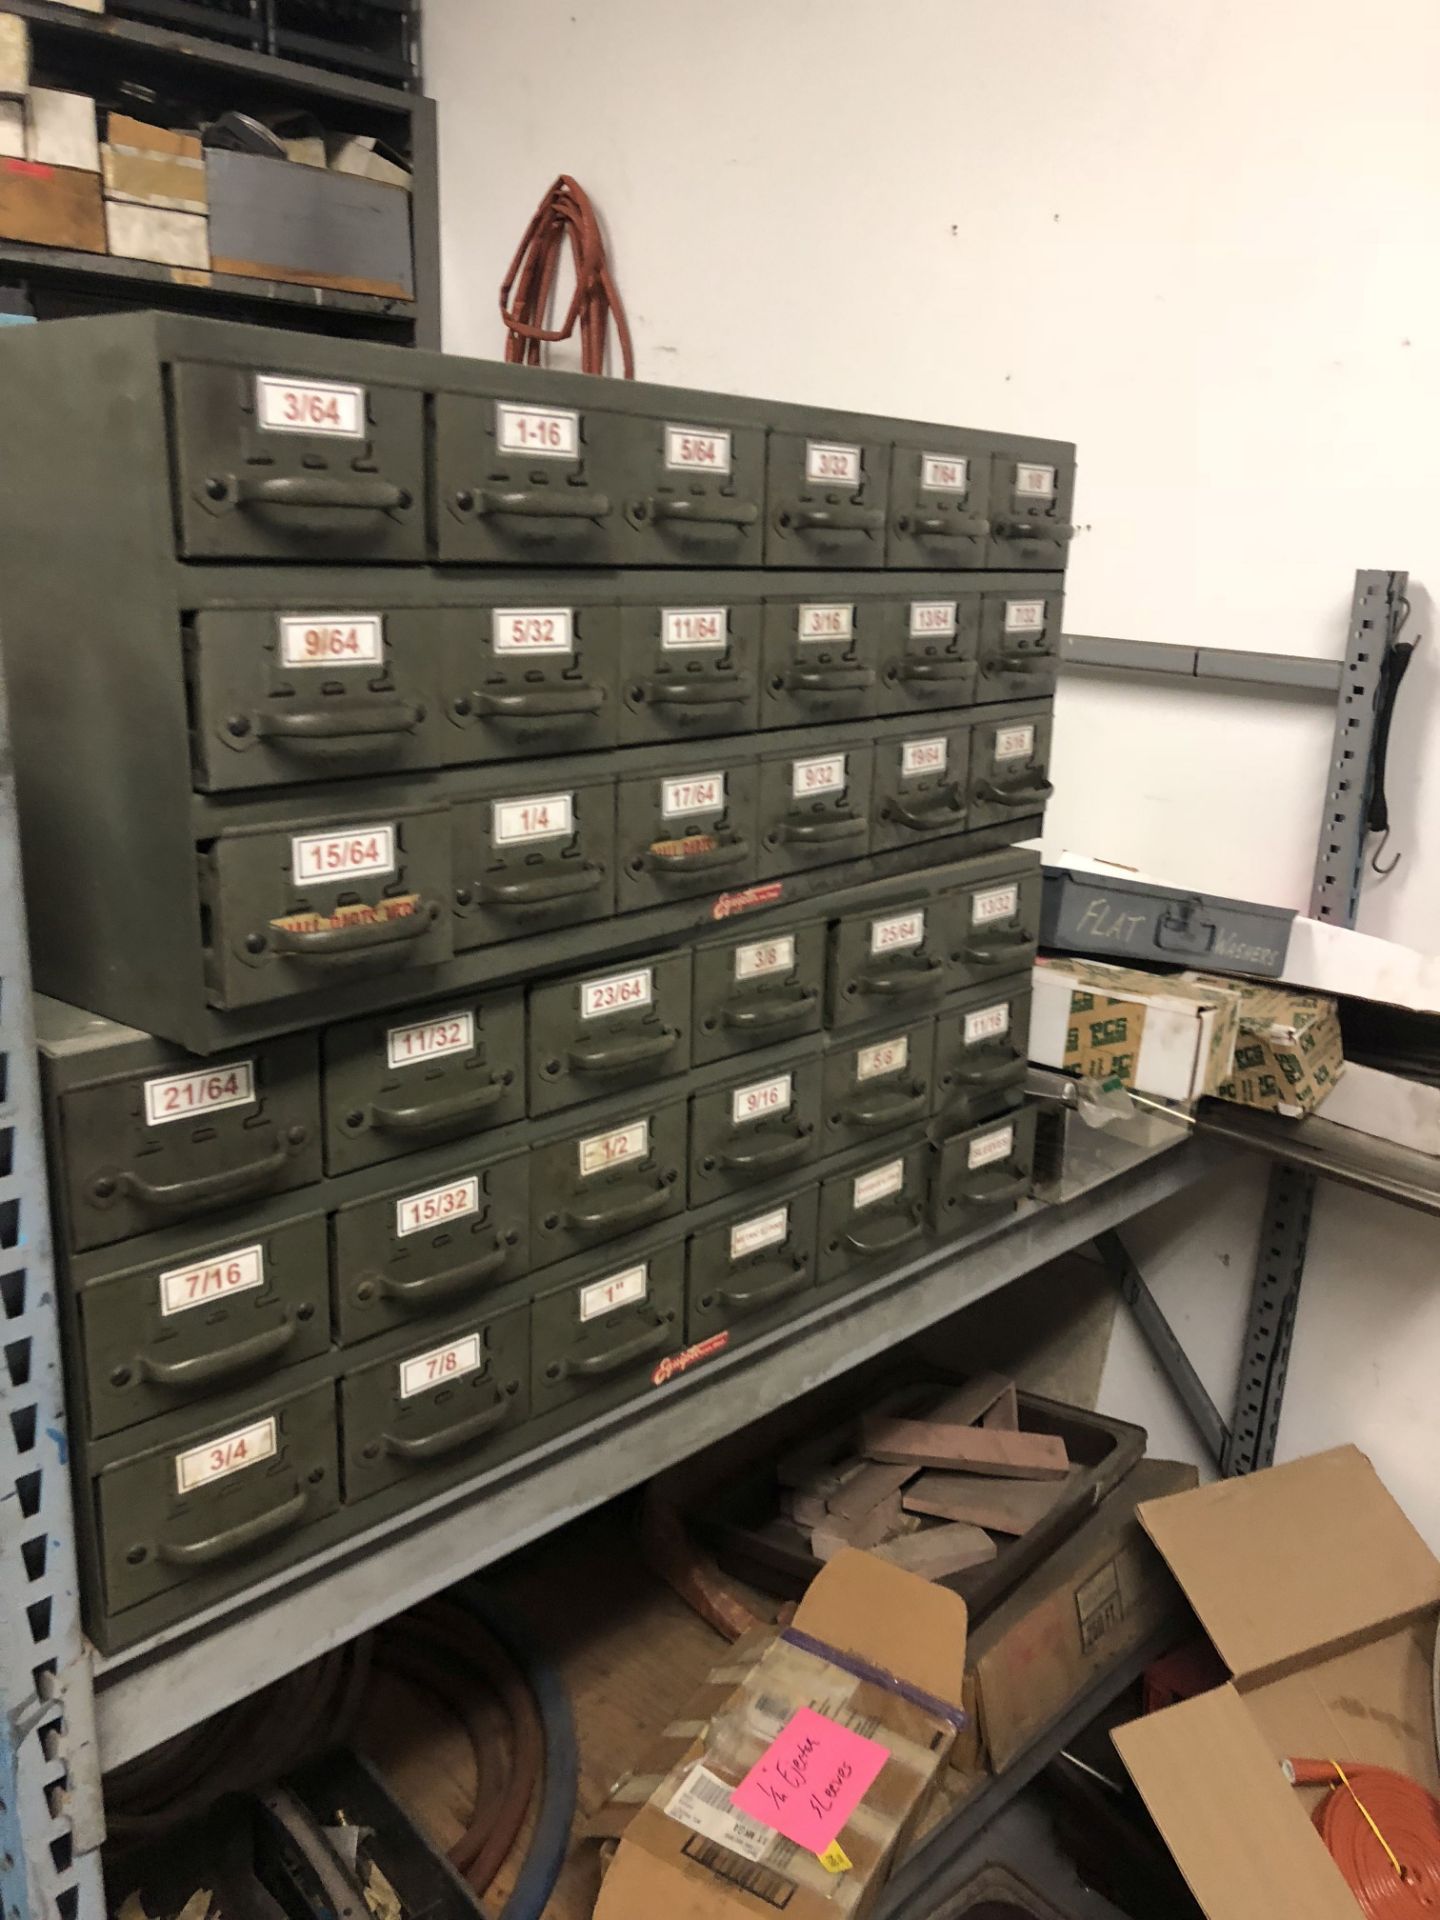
(209, 1280)
(437, 1205)
(180, 1095)
(244, 1448)
(342, 856)
(407, 1046)
(332, 639)
(440, 1366)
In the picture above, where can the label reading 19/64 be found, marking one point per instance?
(924, 756)
(765, 956)
(615, 1149)
(686, 629)
(440, 1366)
(544, 816)
(332, 639)
(886, 1056)
(1014, 743)
(991, 1147)
(433, 1208)
(1000, 903)
(342, 856)
(701, 793)
(761, 1099)
(407, 1046)
(309, 406)
(210, 1280)
(617, 993)
(932, 619)
(179, 1095)
(944, 472)
(1024, 616)
(620, 1290)
(532, 630)
(899, 931)
(1038, 481)
(825, 460)
(818, 776)
(246, 1447)
(835, 622)
(697, 450)
(765, 1230)
(548, 433)
(879, 1184)
(989, 1023)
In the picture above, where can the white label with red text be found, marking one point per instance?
(196, 1286)
(437, 1205)
(924, 756)
(934, 619)
(180, 1095)
(704, 793)
(899, 931)
(826, 461)
(244, 1448)
(614, 1149)
(1014, 743)
(408, 1046)
(765, 1230)
(620, 1290)
(332, 639)
(440, 1366)
(765, 956)
(1039, 481)
(532, 630)
(818, 776)
(990, 1023)
(944, 472)
(1000, 903)
(309, 406)
(886, 1056)
(544, 816)
(764, 1097)
(617, 993)
(879, 1184)
(686, 629)
(991, 1147)
(1024, 616)
(831, 622)
(550, 433)
(697, 450)
(342, 856)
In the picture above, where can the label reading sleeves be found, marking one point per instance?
(991, 1147)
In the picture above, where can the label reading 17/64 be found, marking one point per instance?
(332, 639)
(991, 1147)
(342, 856)
(408, 1046)
(433, 1208)
(701, 793)
(179, 1095)
(440, 1366)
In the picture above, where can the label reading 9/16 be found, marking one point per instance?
(210, 1280)
(544, 816)
(408, 1046)
(614, 1149)
(1024, 616)
(246, 1447)
(440, 1366)
(1038, 481)
(834, 622)
(765, 1230)
(988, 1023)
(702, 793)
(532, 630)
(1014, 743)
(944, 472)
(1000, 903)
(697, 450)
(617, 993)
(826, 461)
(764, 1097)
(433, 1208)
(991, 1147)
(179, 1095)
(332, 639)
(687, 629)
(924, 756)
(879, 1184)
(549, 433)
(765, 956)
(620, 1290)
(932, 619)
(900, 930)
(886, 1056)
(818, 776)
(342, 856)
(309, 406)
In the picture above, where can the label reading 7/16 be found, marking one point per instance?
(617, 993)
(408, 1046)
(546, 433)
(825, 461)
(532, 630)
(332, 639)
(944, 472)
(433, 1208)
(342, 856)
(210, 1280)
(625, 1289)
(688, 629)
(440, 1366)
(701, 793)
(615, 1149)
(697, 449)
(991, 1147)
(818, 776)
(760, 1100)
(309, 406)
(544, 816)
(765, 956)
(246, 1447)
(179, 1095)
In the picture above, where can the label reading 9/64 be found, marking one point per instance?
(179, 1095)
(332, 639)
(407, 1046)
(617, 993)
(440, 1366)
(437, 1205)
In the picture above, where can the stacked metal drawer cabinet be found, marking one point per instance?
(525, 868)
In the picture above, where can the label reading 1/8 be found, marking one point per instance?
(944, 472)
(618, 993)
(309, 406)
(1024, 616)
(620, 1290)
(433, 1208)
(686, 629)
(704, 793)
(180, 1095)
(1038, 481)
(549, 433)
(1014, 743)
(924, 756)
(440, 1366)
(408, 1046)
(988, 1023)
(343, 856)
(932, 619)
(604, 1150)
(765, 956)
(886, 1056)
(879, 1184)
(991, 1147)
(532, 630)
(332, 639)
(244, 1448)
(826, 461)
(196, 1286)
(826, 622)
(544, 816)
(899, 931)
(697, 450)
(1000, 903)
(760, 1100)
(818, 776)
(765, 1230)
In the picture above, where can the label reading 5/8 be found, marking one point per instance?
(343, 856)
(988, 1023)
(1000, 903)
(886, 1056)
(879, 1184)
(180, 1095)
(818, 776)
(440, 1366)
(765, 956)
(827, 622)
(1024, 616)
(620, 1290)
(703, 793)
(332, 639)
(309, 406)
(1039, 481)
(944, 472)
(407, 1046)
(826, 461)
(433, 1208)
(617, 993)
(697, 449)
(615, 1149)
(244, 1448)
(686, 629)
(1014, 743)
(760, 1100)
(924, 756)
(209, 1280)
(544, 816)
(549, 433)
(765, 1230)
(899, 931)
(991, 1147)
(532, 630)
(933, 619)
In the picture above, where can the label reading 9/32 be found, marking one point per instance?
(688, 629)
(179, 1095)
(437, 1205)
(764, 1097)
(332, 639)
(309, 406)
(408, 1046)
(818, 776)
(932, 619)
(991, 1147)
(625, 1289)
(246, 1447)
(615, 1149)
(886, 1056)
(532, 630)
(899, 931)
(828, 462)
(765, 956)
(944, 472)
(697, 450)
(343, 856)
(440, 1366)
(618, 993)
(547, 433)
(210, 1280)
(765, 1230)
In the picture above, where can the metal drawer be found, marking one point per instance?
(981, 1049)
(399, 1081)
(198, 1322)
(687, 828)
(689, 667)
(873, 1216)
(438, 1410)
(993, 927)
(694, 493)
(928, 651)
(920, 787)
(278, 697)
(533, 859)
(1032, 510)
(1019, 645)
(755, 1271)
(756, 989)
(821, 658)
(939, 502)
(273, 467)
(429, 1248)
(814, 808)
(533, 674)
(827, 499)
(297, 908)
(595, 1342)
(603, 1181)
(982, 1173)
(754, 1130)
(1009, 765)
(621, 1026)
(889, 964)
(876, 1084)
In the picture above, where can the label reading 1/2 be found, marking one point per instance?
(991, 1147)
(433, 1208)
(809, 777)
(440, 1366)
(886, 1056)
(697, 450)
(549, 433)
(944, 473)
(210, 1280)
(703, 793)
(932, 619)
(544, 816)
(692, 629)
(1000, 903)
(605, 1150)
(924, 756)
(309, 406)
(1038, 482)
(765, 956)
(408, 1046)
(881, 1183)
(246, 1447)
(754, 1236)
(827, 462)
(761, 1099)
(1024, 616)
(899, 931)
(1014, 743)
(988, 1023)
(180, 1095)
(620, 1290)
(343, 856)
(618, 993)
(834, 622)
(332, 639)
(532, 630)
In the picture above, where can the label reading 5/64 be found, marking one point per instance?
(825, 460)
(924, 756)
(879, 1184)
(217, 1458)
(342, 856)
(209, 1280)
(697, 450)
(407, 1046)
(617, 993)
(544, 816)
(818, 776)
(702, 793)
(765, 956)
(765, 1230)
(309, 406)
(686, 629)
(532, 630)
(899, 931)
(991, 1147)
(944, 472)
(549, 433)
(440, 1366)
(886, 1056)
(433, 1208)
(760, 1100)
(332, 639)
(1014, 743)
(620, 1290)
(179, 1095)
(615, 1149)
(932, 618)
(989, 1023)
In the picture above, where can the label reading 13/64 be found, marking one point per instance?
(180, 1095)
(332, 639)
(932, 618)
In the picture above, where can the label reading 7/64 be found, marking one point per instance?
(440, 1366)
(180, 1095)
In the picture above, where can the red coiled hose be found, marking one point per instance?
(1383, 1833)
(564, 217)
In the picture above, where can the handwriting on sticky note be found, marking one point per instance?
(810, 1779)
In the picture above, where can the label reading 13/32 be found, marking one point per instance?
(408, 1046)
(343, 856)
(179, 1095)
(309, 406)
(210, 1280)
(439, 1204)
(617, 993)
(440, 1366)
(991, 1147)
(246, 1447)
(765, 956)
(332, 639)
(1000, 903)
(620, 1290)
(546, 433)
(697, 450)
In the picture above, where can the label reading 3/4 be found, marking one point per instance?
(899, 931)
(544, 816)
(765, 956)
(988, 1023)
(179, 1095)
(532, 630)
(702, 793)
(439, 1204)
(765, 1230)
(604, 1150)
(932, 619)
(440, 1366)
(760, 1100)
(1014, 743)
(924, 756)
(617, 993)
(944, 472)
(1024, 616)
(881, 1183)
(549, 433)
(686, 629)
(1038, 482)
(1000, 903)
(827, 462)
(697, 450)
(408, 1046)
(309, 406)
(246, 1447)
(332, 639)
(620, 1290)
(209, 1280)
(886, 1056)
(991, 1147)
(831, 622)
(343, 856)
(809, 777)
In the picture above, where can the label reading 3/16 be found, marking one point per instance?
(332, 639)
(309, 406)
(827, 462)
(408, 1046)
(932, 619)
(210, 1280)
(697, 450)
(1036, 481)
(440, 1366)
(702, 793)
(549, 433)
(836, 622)
(818, 776)
(544, 816)
(765, 1230)
(900, 930)
(924, 756)
(246, 1447)
(879, 1184)
(765, 956)
(1014, 743)
(991, 1147)
(886, 1056)
(343, 856)
(989, 1023)
(1000, 903)
(760, 1100)
(944, 472)
(1024, 616)
(615, 1149)
(179, 1095)
(617, 993)
(620, 1290)
(532, 630)
(693, 629)
(433, 1208)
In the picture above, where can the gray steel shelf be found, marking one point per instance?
(1296, 673)
(1320, 1146)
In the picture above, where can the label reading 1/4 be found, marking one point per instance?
(826, 462)
(244, 1448)
(818, 776)
(886, 1056)
(697, 450)
(332, 639)
(924, 756)
(408, 1046)
(991, 1147)
(433, 1208)
(932, 619)
(765, 956)
(703, 793)
(1038, 482)
(899, 931)
(760, 1100)
(532, 630)
(210, 1280)
(618, 993)
(179, 1095)
(988, 1023)
(615, 1149)
(1000, 903)
(309, 406)
(544, 816)
(1024, 616)
(754, 1236)
(343, 856)
(1014, 743)
(549, 433)
(688, 629)
(944, 473)
(836, 622)
(620, 1290)
(440, 1366)
(881, 1183)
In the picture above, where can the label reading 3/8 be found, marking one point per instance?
(620, 1290)
(924, 756)
(1000, 903)
(988, 1023)
(210, 1280)
(407, 1046)
(246, 1447)
(697, 450)
(765, 1230)
(932, 619)
(544, 816)
(688, 629)
(549, 433)
(886, 1056)
(309, 406)
(1036, 481)
(765, 956)
(760, 1100)
(1014, 743)
(899, 931)
(604, 1150)
(433, 1208)
(440, 1366)
(702, 793)
(818, 776)
(944, 472)
(1024, 616)
(835, 622)
(342, 856)
(826, 462)
(179, 1095)
(532, 630)
(332, 639)
(879, 1184)
(617, 993)
(991, 1147)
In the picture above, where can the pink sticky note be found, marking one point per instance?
(810, 1779)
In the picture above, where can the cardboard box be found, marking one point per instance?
(1170, 1038)
(155, 233)
(153, 167)
(1320, 1597)
(1361, 966)
(872, 1647)
(14, 57)
(51, 206)
(12, 126)
(61, 130)
(1288, 1055)
(276, 220)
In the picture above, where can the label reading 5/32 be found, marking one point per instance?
(408, 1046)
(1000, 903)
(620, 1290)
(1014, 743)
(332, 639)
(617, 993)
(765, 1230)
(544, 816)
(761, 1099)
(210, 1280)
(309, 406)
(440, 1366)
(549, 433)
(246, 1447)
(433, 1208)
(835, 622)
(532, 630)
(614, 1149)
(933, 619)
(697, 450)
(702, 793)
(342, 856)
(179, 1095)
(991, 1147)
(826, 461)
(1024, 616)
(988, 1023)
(818, 776)
(688, 629)
(924, 756)
(765, 956)
(886, 1056)
(900, 930)
(944, 472)
(879, 1184)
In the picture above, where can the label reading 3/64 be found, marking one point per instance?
(620, 1290)
(210, 1280)
(532, 630)
(544, 816)
(246, 1447)
(826, 461)
(440, 1366)
(760, 1100)
(407, 1046)
(614, 1149)
(617, 993)
(765, 956)
(179, 1095)
(343, 856)
(991, 1147)
(697, 450)
(944, 472)
(309, 406)
(548, 433)
(332, 639)
(439, 1204)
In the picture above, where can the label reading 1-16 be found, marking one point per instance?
(617, 994)
(686, 629)
(826, 462)
(759, 1101)
(899, 931)
(1037, 481)
(332, 639)
(765, 956)
(991, 1147)
(932, 619)
(765, 1230)
(620, 1290)
(826, 622)
(1024, 616)
(886, 1056)
(433, 1208)
(879, 1184)
(179, 1095)
(924, 756)
(309, 406)
(818, 776)
(440, 1366)
(615, 1149)
(989, 1023)
(697, 450)
(244, 1448)
(342, 856)
(1000, 903)
(944, 472)
(547, 433)
(544, 816)
(210, 1280)
(532, 630)
(408, 1046)
(1014, 743)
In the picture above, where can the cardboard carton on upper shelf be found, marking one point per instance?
(1288, 1056)
(51, 206)
(1162, 1036)
(154, 167)
(14, 58)
(61, 129)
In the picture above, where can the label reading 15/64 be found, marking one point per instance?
(547, 433)
(827, 461)
(407, 1046)
(342, 856)
(532, 630)
(615, 1149)
(764, 1097)
(332, 639)
(209, 1280)
(617, 993)
(697, 449)
(991, 1147)
(944, 472)
(309, 406)
(179, 1095)
(440, 1366)
(217, 1458)
(620, 1290)
(765, 956)
(818, 776)
(433, 1208)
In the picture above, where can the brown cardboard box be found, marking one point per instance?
(51, 206)
(61, 129)
(1320, 1597)
(153, 167)
(1156, 1033)
(1288, 1055)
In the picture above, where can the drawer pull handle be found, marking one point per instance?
(421, 1294)
(994, 1075)
(543, 503)
(238, 1539)
(1005, 943)
(809, 833)
(614, 1056)
(922, 978)
(595, 1366)
(358, 495)
(888, 1113)
(185, 1376)
(621, 1213)
(430, 1446)
(542, 889)
(338, 943)
(880, 1239)
(716, 691)
(207, 1189)
(729, 853)
(1011, 1189)
(836, 519)
(938, 526)
(1027, 529)
(690, 511)
(945, 807)
(1018, 663)
(541, 703)
(753, 1299)
(436, 1116)
(1026, 796)
(930, 670)
(769, 1010)
(782, 1153)
(841, 679)
(330, 720)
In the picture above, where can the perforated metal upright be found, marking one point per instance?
(51, 1821)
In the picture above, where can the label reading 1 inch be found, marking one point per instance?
(549, 433)
(991, 1147)
(620, 1290)
(604, 1150)
(944, 472)
(439, 1204)
(440, 1366)
(760, 1100)
(899, 931)
(408, 1046)
(765, 956)
(879, 1184)
(532, 630)
(1039, 481)
(688, 629)
(932, 619)
(1014, 743)
(544, 816)
(826, 623)
(332, 639)
(702, 793)
(924, 756)
(246, 1447)
(818, 776)
(1000, 903)
(342, 856)
(196, 1286)
(179, 1095)
(989, 1023)
(309, 406)
(765, 1230)
(1024, 616)
(886, 1056)
(825, 462)
(697, 450)
(618, 993)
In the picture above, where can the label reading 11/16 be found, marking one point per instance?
(440, 1366)
(179, 1095)
(332, 639)
(408, 1046)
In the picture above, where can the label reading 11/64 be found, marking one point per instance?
(332, 639)
(440, 1366)
(688, 629)
(408, 1046)
(309, 406)
(197, 1466)
(179, 1095)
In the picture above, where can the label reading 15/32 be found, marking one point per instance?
(437, 1205)
(210, 1280)
(764, 1097)
(548, 433)
(1000, 903)
(697, 450)
(440, 1366)
(1039, 482)
(532, 630)
(880, 1183)
(886, 1056)
(753, 962)
(991, 1147)
(180, 1095)
(1024, 616)
(701, 793)
(988, 1023)
(932, 619)
(924, 756)
(765, 1230)
(1014, 743)
(818, 776)
(604, 1150)
(246, 1447)
(688, 629)
(309, 406)
(343, 856)
(832, 622)
(332, 639)
(944, 472)
(620, 1290)
(617, 993)
(899, 931)
(827, 462)
(544, 816)
(408, 1046)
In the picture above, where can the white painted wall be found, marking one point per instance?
(1199, 240)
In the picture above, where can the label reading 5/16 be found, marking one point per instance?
(549, 433)
(686, 629)
(309, 406)
(702, 793)
(408, 1046)
(210, 1280)
(620, 1290)
(433, 1208)
(818, 776)
(991, 1147)
(179, 1095)
(765, 1230)
(246, 1447)
(879, 1184)
(697, 450)
(332, 639)
(1038, 481)
(761, 1099)
(765, 956)
(932, 619)
(989, 1023)
(1024, 616)
(544, 816)
(886, 1056)
(1000, 903)
(1014, 743)
(899, 931)
(924, 756)
(835, 622)
(343, 856)
(826, 461)
(440, 1366)
(617, 993)
(944, 472)
(532, 630)
(614, 1149)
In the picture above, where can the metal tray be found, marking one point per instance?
(1130, 921)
